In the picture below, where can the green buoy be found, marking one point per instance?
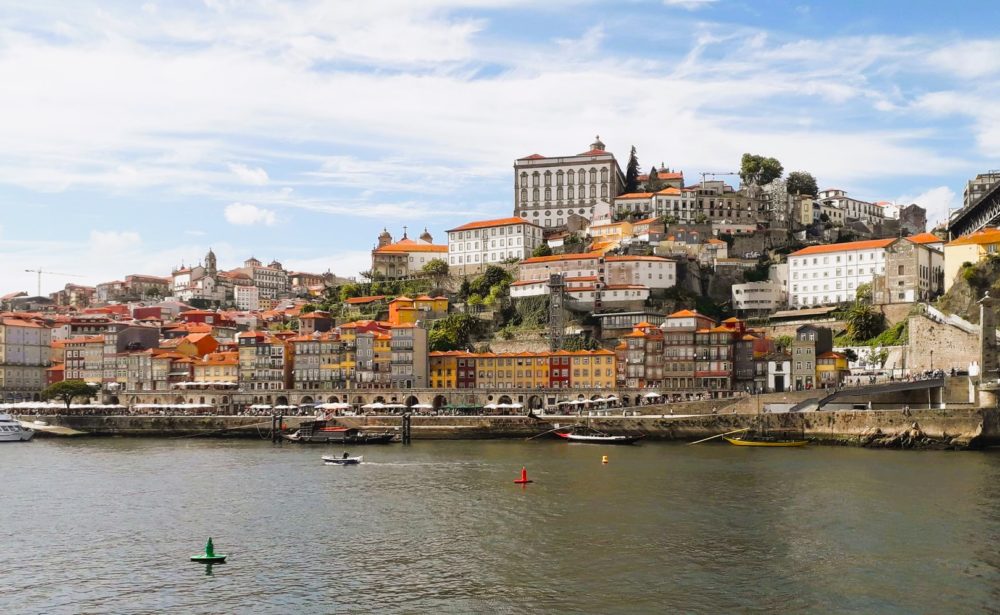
(209, 556)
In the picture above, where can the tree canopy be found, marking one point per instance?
(542, 250)
(653, 183)
(864, 322)
(801, 182)
(759, 170)
(632, 172)
(436, 268)
(67, 390)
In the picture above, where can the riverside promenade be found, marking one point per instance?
(965, 428)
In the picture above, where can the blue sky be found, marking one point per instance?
(137, 135)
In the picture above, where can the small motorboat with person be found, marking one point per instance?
(344, 460)
(592, 436)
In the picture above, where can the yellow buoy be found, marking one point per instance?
(604, 459)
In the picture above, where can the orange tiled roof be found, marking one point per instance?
(560, 257)
(409, 245)
(634, 195)
(850, 246)
(982, 236)
(490, 223)
(925, 238)
(671, 191)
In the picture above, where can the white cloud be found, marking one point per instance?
(936, 201)
(968, 59)
(690, 5)
(251, 175)
(243, 214)
(114, 241)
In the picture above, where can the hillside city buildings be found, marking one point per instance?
(614, 260)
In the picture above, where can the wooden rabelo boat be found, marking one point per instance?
(596, 437)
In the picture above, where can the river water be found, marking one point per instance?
(108, 525)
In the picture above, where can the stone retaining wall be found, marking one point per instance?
(961, 428)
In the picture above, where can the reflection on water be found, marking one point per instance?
(440, 526)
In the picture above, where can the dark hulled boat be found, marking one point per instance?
(320, 432)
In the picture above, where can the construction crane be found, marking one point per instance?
(703, 175)
(39, 271)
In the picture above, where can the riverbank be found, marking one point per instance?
(943, 429)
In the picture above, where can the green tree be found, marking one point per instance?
(653, 183)
(864, 322)
(437, 270)
(851, 355)
(864, 293)
(348, 291)
(67, 390)
(632, 172)
(309, 308)
(801, 182)
(542, 250)
(783, 342)
(759, 170)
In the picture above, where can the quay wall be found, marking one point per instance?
(926, 428)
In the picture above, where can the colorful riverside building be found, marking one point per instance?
(691, 352)
(587, 369)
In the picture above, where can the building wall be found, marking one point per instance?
(471, 251)
(832, 277)
(548, 190)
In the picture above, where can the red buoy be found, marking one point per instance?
(524, 478)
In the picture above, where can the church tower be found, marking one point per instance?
(425, 236)
(210, 265)
(384, 238)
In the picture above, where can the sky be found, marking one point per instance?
(137, 135)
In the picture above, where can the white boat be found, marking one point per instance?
(343, 461)
(11, 430)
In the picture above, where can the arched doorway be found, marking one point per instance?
(411, 401)
(359, 400)
(282, 400)
(534, 402)
(179, 399)
(626, 401)
(504, 399)
(439, 402)
(113, 401)
(333, 399)
(306, 400)
(380, 399)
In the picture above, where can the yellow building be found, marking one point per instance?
(217, 367)
(831, 369)
(611, 232)
(444, 369)
(969, 249)
(593, 369)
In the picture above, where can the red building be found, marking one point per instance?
(560, 370)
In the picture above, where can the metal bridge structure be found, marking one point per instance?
(983, 212)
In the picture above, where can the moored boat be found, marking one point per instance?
(764, 441)
(319, 432)
(11, 430)
(596, 437)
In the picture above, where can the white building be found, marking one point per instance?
(871, 213)
(547, 190)
(473, 246)
(246, 298)
(595, 279)
(827, 274)
(758, 296)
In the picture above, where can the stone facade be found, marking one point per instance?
(939, 345)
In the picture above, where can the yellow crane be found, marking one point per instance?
(39, 271)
